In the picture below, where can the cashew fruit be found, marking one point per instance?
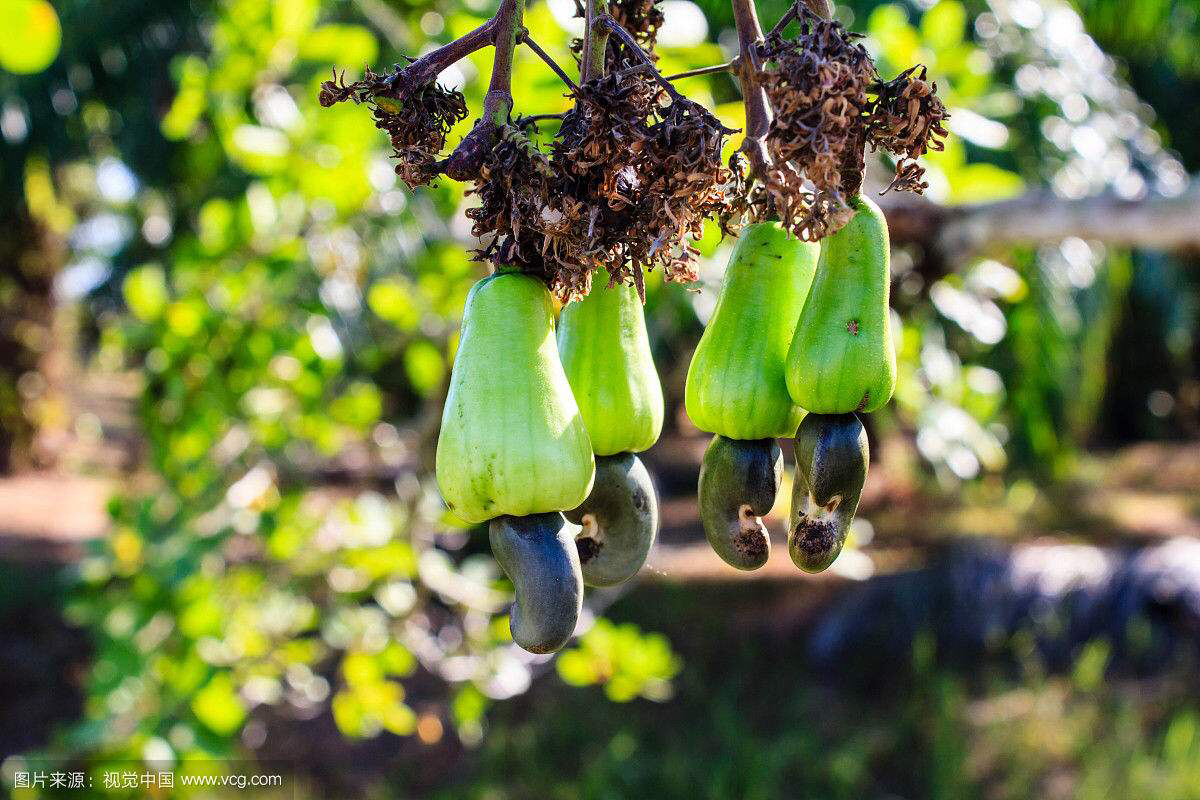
(606, 354)
(512, 441)
(537, 553)
(619, 521)
(841, 358)
(735, 383)
(831, 466)
(738, 482)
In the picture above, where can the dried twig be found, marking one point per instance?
(524, 38)
(728, 66)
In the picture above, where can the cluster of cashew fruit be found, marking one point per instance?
(540, 433)
(539, 439)
(798, 345)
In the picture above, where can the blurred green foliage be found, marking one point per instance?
(626, 662)
(927, 730)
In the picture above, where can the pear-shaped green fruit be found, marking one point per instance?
(512, 439)
(538, 554)
(841, 358)
(738, 482)
(619, 521)
(735, 384)
(606, 354)
(831, 466)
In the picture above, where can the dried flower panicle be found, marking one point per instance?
(514, 185)
(629, 178)
(686, 183)
(417, 124)
(829, 104)
(604, 133)
(906, 119)
(818, 86)
(642, 18)
(649, 167)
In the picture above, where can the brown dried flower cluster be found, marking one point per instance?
(627, 181)
(906, 120)
(817, 84)
(635, 168)
(685, 182)
(514, 185)
(417, 124)
(829, 103)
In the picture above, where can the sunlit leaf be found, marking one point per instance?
(218, 706)
(31, 35)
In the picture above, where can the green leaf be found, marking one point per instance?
(425, 366)
(190, 98)
(146, 294)
(340, 44)
(293, 17)
(944, 25)
(978, 183)
(393, 303)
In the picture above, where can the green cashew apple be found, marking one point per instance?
(738, 482)
(831, 466)
(512, 441)
(619, 519)
(841, 358)
(538, 554)
(606, 354)
(736, 388)
(735, 383)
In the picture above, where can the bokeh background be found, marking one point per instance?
(225, 331)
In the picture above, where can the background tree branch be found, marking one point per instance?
(951, 235)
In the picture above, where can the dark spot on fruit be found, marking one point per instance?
(751, 543)
(863, 403)
(852, 326)
(638, 498)
(816, 536)
(588, 548)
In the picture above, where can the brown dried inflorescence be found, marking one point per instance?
(906, 120)
(642, 18)
(417, 124)
(817, 84)
(514, 185)
(829, 103)
(627, 182)
(685, 183)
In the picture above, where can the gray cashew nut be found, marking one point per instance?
(538, 554)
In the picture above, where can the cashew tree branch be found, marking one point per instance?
(427, 67)
(758, 113)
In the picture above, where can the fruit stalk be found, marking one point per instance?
(754, 97)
